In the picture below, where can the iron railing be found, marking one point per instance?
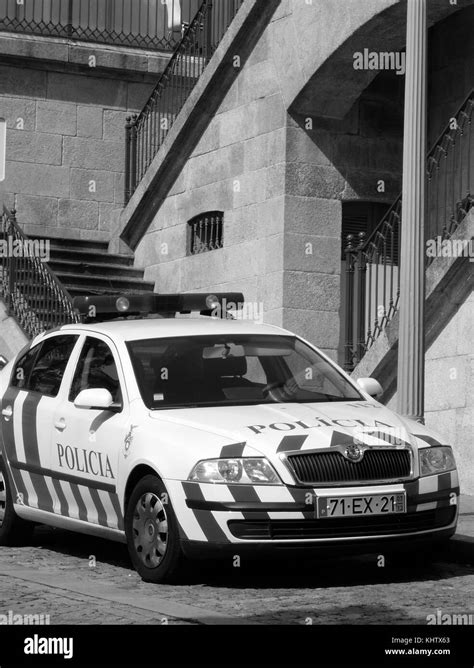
(31, 292)
(146, 132)
(373, 264)
(149, 24)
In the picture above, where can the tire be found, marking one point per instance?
(152, 533)
(13, 530)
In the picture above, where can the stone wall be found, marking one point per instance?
(449, 389)
(12, 337)
(66, 137)
(357, 158)
(449, 394)
(449, 379)
(238, 167)
(280, 186)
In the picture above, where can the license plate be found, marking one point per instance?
(355, 506)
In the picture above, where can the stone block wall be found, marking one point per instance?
(237, 167)
(12, 337)
(66, 143)
(449, 394)
(330, 162)
(280, 186)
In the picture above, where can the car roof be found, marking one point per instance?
(149, 328)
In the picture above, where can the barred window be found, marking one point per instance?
(360, 216)
(206, 233)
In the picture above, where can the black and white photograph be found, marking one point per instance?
(236, 332)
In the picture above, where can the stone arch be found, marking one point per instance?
(384, 31)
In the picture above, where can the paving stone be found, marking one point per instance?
(324, 591)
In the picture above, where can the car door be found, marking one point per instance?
(28, 406)
(86, 444)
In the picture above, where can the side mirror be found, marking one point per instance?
(96, 399)
(3, 362)
(371, 386)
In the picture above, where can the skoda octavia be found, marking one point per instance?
(187, 437)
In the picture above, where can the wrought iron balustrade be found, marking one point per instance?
(31, 292)
(146, 132)
(149, 24)
(373, 264)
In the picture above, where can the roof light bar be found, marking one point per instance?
(108, 307)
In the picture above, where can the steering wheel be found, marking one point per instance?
(276, 392)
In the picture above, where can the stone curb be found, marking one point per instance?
(110, 593)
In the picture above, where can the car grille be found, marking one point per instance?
(332, 467)
(341, 527)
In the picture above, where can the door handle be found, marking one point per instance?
(60, 425)
(7, 412)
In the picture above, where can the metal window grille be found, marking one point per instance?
(206, 233)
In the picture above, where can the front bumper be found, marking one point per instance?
(283, 517)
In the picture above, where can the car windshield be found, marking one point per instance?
(234, 370)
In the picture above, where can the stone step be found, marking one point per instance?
(61, 266)
(75, 244)
(89, 256)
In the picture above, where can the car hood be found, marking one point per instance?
(268, 429)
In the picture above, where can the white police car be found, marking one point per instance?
(177, 435)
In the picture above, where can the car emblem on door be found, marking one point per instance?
(128, 440)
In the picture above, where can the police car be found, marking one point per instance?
(188, 436)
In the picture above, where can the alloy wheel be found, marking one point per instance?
(150, 530)
(3, 498)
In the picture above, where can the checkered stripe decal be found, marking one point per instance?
(211, 525)
(45, 490)
(336, 437)
(432, 492)
(66, 498)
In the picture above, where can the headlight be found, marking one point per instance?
(436, 460)
(243, 471)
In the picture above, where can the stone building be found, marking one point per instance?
(273, 133)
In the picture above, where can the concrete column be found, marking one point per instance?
(411, 353)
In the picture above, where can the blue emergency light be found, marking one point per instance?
(108, 307)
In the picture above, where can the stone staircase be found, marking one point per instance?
(87, 268)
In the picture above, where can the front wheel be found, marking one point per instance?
(152, 533)
(13, 530)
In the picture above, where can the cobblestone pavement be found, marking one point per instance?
(104, 589)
